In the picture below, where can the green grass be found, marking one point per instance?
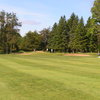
(49, 77)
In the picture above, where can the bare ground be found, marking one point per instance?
(29, 53)
(72, 54)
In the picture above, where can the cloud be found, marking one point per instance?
(32, 16)
(30, 22)
(20, 11)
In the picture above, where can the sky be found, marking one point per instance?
(39, 14)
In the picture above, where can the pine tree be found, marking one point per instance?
(59, 36)
(96, 16)
(72, 23)
(80, 37)
(91, 36)
(96, 11)
(62, 34)
(53, 38)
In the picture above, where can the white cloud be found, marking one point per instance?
(20, 11)
(30, 22)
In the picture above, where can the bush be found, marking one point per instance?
(21, 51)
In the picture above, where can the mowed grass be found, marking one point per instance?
(49, 77)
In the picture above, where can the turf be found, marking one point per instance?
(49, 77)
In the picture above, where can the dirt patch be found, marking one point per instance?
(30, 53)
(40, 52)
(24, 53)
(84, 55)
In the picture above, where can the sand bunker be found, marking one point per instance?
(76, 54)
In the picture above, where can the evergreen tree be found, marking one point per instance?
(53, 38)
(96, 16)
(59, 36)
(96, 11)
(62, 34)
(91, 36)
(72, 23)
(80, 37)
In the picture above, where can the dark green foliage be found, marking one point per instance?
(53, 37)
(91, 36)
(45, 34)
(96, 16)
(71, 36)
(80, 37)
(72, 24)
(9, 33)
(31, 41)
(62, 34)
(96, 11)
(59, 36)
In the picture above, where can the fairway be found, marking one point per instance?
(49, 77)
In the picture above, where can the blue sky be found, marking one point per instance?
(39, 14)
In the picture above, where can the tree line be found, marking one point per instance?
(68, 35)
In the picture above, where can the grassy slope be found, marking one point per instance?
(49, 77)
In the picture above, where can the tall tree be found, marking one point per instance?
(59, 36)
(80, 37)
(96, 11)
(9, 31)
(96, 15)
(63, 34)
(53, 38)
(91, 36)
(72, 23)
